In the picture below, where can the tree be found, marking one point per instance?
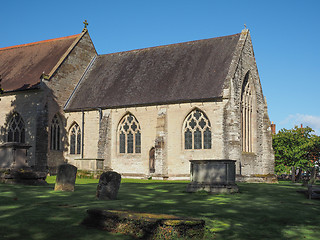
(297, 148)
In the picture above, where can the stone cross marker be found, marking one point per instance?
(85, 24)
(109, 184)
(66, 178)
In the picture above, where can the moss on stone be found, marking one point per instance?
(145, 225)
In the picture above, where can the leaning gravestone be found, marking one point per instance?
(66, 178)
(109, 184)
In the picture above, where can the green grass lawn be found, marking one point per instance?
(259, 211)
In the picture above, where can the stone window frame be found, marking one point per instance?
(75, 139)
(201, 130)
(17, 128)
(248, 115)
(56, 133)
(129, 135)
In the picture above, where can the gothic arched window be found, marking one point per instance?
(197, 131)
(55, 134)
(129, 133)
(16, 129)
(247, 115)
(75, 139)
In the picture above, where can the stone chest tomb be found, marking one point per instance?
(213, 176)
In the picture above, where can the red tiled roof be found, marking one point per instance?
(21, 66)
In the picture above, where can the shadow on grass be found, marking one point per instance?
(259, 211)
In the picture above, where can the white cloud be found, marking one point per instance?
(306, 120)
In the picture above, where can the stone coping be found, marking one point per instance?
(145, 225)
(212, 160)
(22, 176)
(257, 178)
(212, 188)
(89, 159)
(22, 173)
(15, 145)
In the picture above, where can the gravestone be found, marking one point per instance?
(66, 178)
(108, 187)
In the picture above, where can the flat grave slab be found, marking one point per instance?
(145, 225)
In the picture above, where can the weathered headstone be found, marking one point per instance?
(66, 178)
(109, 184)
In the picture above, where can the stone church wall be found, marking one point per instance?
(59, 89)
(31, 107)
(164, 122)
(134, 164)
(261, 160)
(89, 121)
(38, 107)
(178, 156)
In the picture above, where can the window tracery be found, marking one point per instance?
(129, 135)
(16, 129)
(197, 131)
(75, 139)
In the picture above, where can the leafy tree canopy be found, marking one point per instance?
(297, 147)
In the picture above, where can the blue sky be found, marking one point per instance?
(285, 37)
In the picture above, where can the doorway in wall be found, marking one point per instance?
(151, 160)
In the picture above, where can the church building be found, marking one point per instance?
(142, 113)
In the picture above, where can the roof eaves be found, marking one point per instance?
(34, 87)
(39, 42)
(217, 98)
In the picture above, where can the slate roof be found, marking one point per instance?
(174, 73)
(21, 66)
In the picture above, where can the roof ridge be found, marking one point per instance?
(168, 45)
(39, 42)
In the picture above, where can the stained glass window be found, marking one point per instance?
(129, 133)
(197, 139)
(188, 139)
(122, 142)
(197, 131)
(207, 139)
(138, 142)
(130, 142)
